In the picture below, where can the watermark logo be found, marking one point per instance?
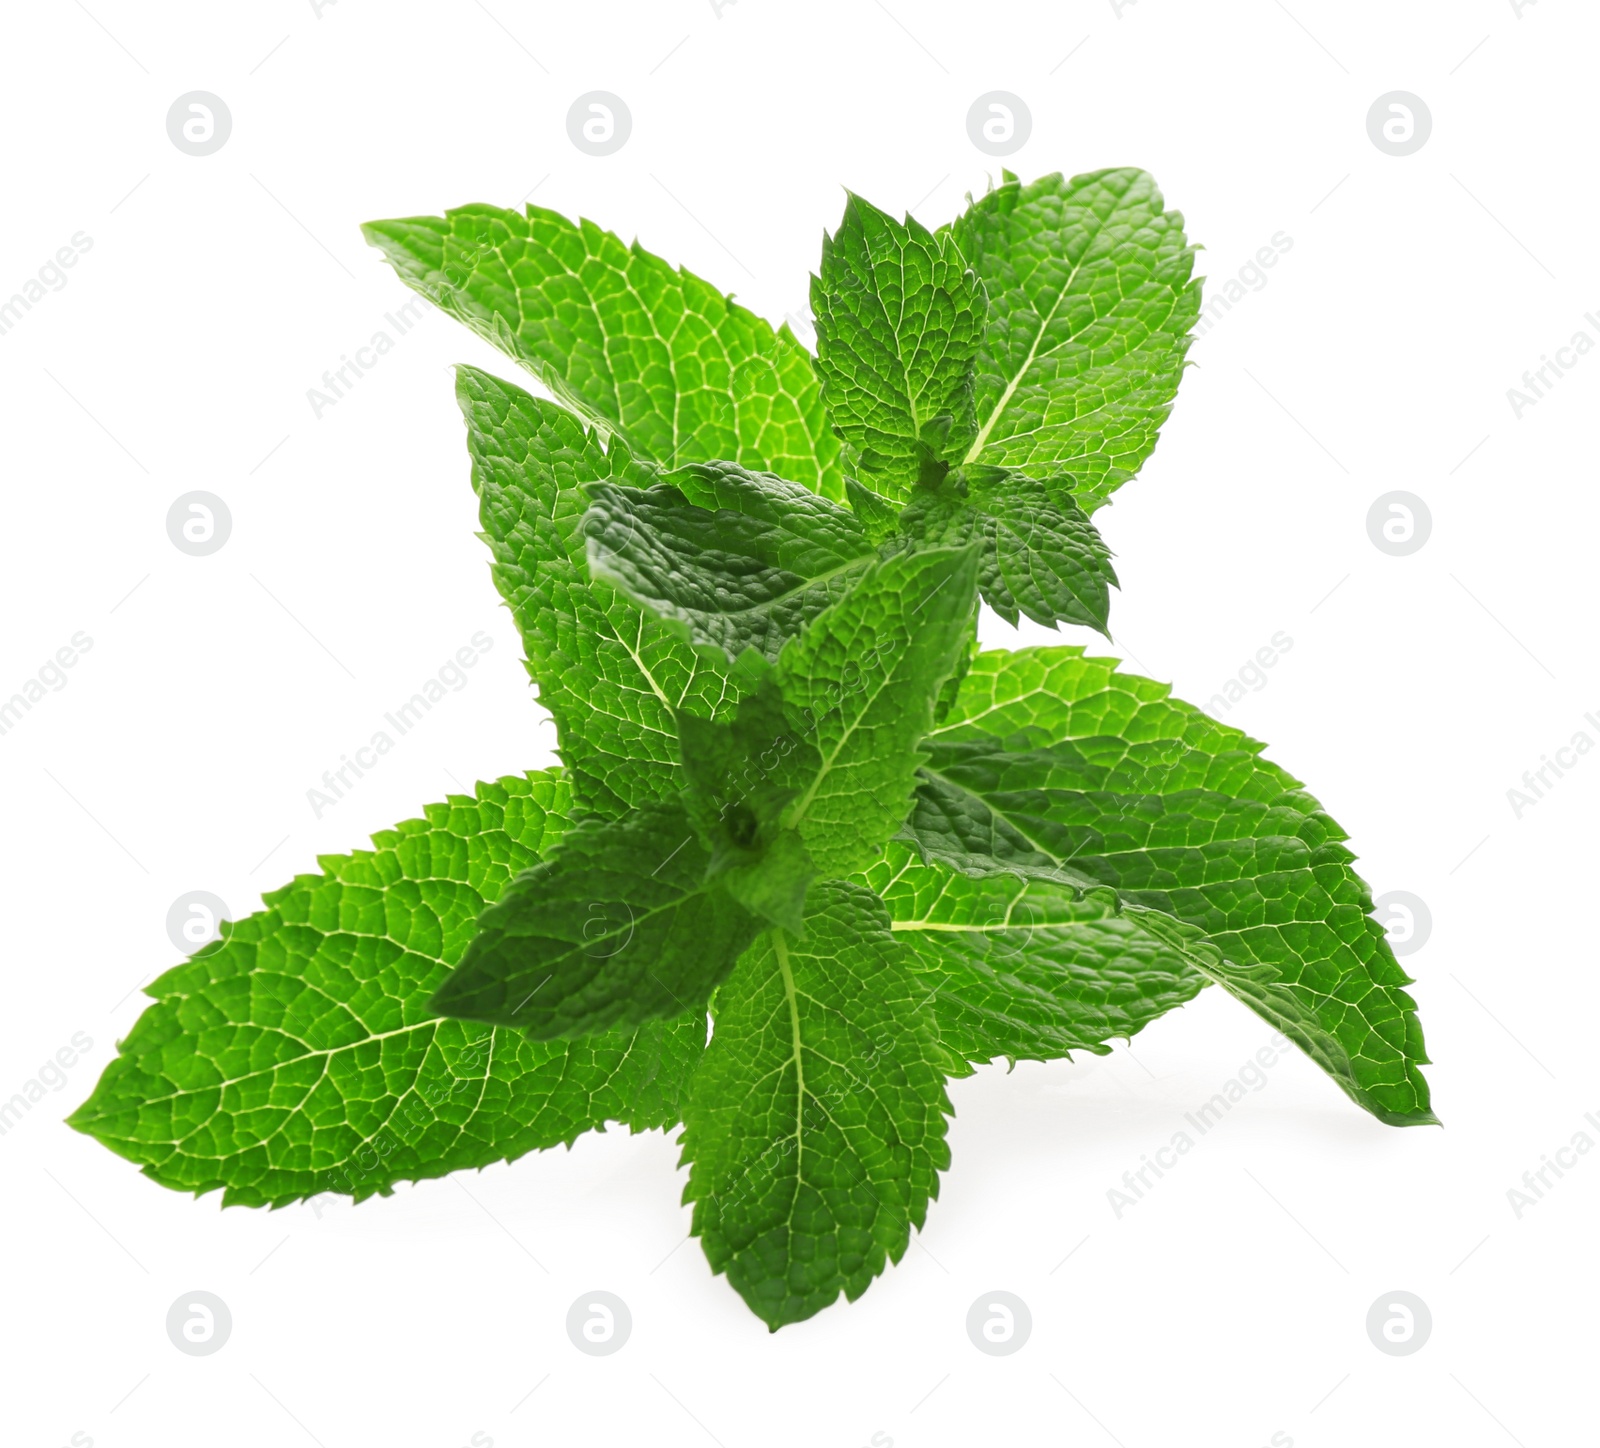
(1251, 673)
(53, 274)
(52, 1074)
(999, 1324)
(999, 123)
(194, 920)
(1399, 123)
(599, 123)
(1538, 782)
(1537, 382)
(199, 524)
(1223, 294)
(1406, 920)
(199, 1324)
(199, 123)
(1399, 524)
(1399, 1324)
(1539, 1180)
(1138, 1182)
(599, 1323)
(352, 767)
(338, 381)
(51, 677)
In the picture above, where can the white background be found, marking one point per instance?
(1227, 1306)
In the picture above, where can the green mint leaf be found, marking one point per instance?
(639, 347)
(826, 746)
(1041, 555)
(727, 558)
(1090, 306)
(1027, 966)
(613, 679)
(815, 1124)
(878, 519)
(739, 779)
(1050, 757)
(865, 676)
(299, 1055)
(617, 926)
(1261, 987)
(970, 650)
(899, 314)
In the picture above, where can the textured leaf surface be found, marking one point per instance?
(1027, 966)
(1090, 305)
(1261, 987)
(814, 1128)
(613, 679)
(1041, 555)
(1049, 757)
(640, 347)
(617, 927)
(866, 674)
(300, 1055)
(831, 739)
(732, 559)
(898, 318)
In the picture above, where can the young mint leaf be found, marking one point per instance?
(299, 1055)
(727, 558)
(613, 679)
(878, 519)
(825, 747)
(617, 926)
(638, 347)
(899, 314)
(738, 780)
(1028, 966)
(1041, 554)
(1090, 306)
(864, 676)
(814, 1128)
(1050, 758)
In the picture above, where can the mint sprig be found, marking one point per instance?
(795, 797)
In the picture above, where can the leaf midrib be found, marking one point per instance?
(1016, 381)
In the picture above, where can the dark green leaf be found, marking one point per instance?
(617, 926)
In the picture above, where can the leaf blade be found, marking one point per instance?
(1027, 966)
(298, 1056)
(1041, 554)
(1050, 758)
(618, 927)
(853, 1077)
(633, 344)
(898, 317)
(613, 680)
(1090, 306)
(732, 559)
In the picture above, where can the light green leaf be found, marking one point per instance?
(827, 746)
(1027, 965)
(300, 1055)
(1260, 986)
(898, 318)
(727, 558)
(1050, 759)
(814, 1128)
(618, 926)
(1090, 306)
(613, 679)
(865, 676)
(683, 372)
(1041, 555)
